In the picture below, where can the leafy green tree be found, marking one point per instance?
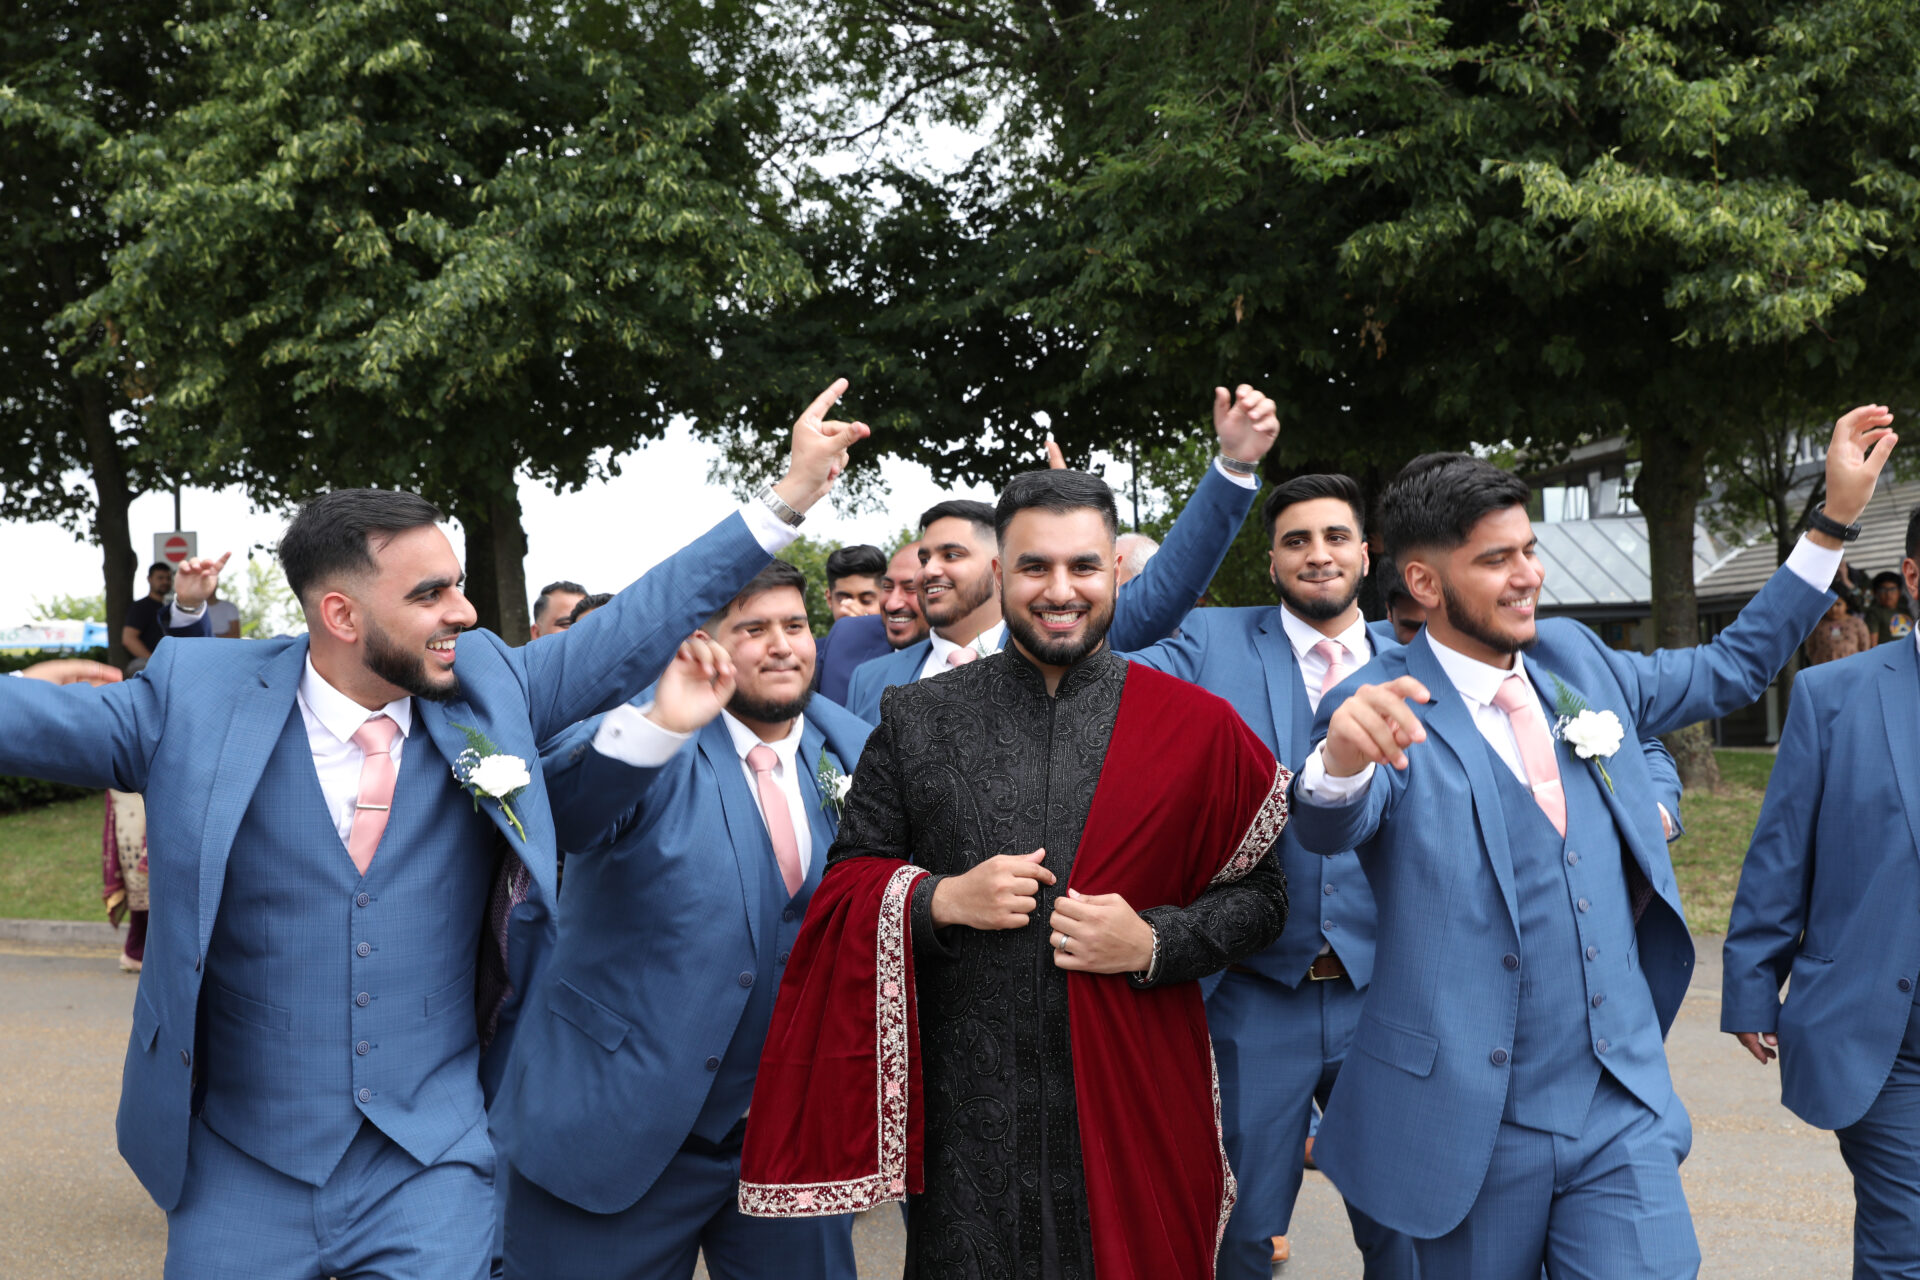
(267, 604)
(809, 555)
(91, 608)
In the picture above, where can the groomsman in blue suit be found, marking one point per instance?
(702, 823)
(1506, 1101)
(352, 873)
(1283, 1018)
(960, 599)
(1828, 896)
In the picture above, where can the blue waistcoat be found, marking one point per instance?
(1584, 1005)
(330, 997)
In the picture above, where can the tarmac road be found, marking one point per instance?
(1770, 1196)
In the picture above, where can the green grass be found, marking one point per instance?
(50, 858)
(50, 862)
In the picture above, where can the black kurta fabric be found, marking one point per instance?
(973, 763)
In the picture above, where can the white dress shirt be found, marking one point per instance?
(332, 718)
(1302, 635)
(1812, 564)
(992, 640)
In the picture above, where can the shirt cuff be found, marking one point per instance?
(628, 736)
(1245, 482)
(1666, 822)
(1814, 564)
(180, 612)
(772, 533)
(1320, 787)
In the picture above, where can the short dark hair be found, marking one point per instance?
(1392, 586)
(1309, 487)
(586, 605)
(338, 532)
(1437, 498)
(1886, 579)
(776, 575)
(1913, 535)
(162, 567)
(857, 561)
(1058, 492)
(978, 514)
(540, 601)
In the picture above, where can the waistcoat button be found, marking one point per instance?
(784, 955)
(362, 1048)
(787, 915)
(362, 999)
(1906, 984)
(1510, 960)
(365, 1095)
(1583, 904)
(1593, 953)
(1601, 1045)
(1598, 1001)
(362, 900)
(363, 950)
(1499, 1057)
(1328, 891)
(1573, 859)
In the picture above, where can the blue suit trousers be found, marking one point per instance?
(1882, 1149)
(1279, 1050)
(691, 1209)
(381, 1214)
(1602, 1206)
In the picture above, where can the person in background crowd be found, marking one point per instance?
(895, 624)
(584, 606)
(900, 598)
(553, 607)
(146, 617)
(123, 871)
(1404, 614)
(1131, 551)
(1839, 635)
(853, 580)
(223, 616)
(1889, 617)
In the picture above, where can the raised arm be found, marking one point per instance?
(77, 722)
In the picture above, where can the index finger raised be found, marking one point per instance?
(826, 399)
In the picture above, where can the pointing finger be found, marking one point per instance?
(826, 399)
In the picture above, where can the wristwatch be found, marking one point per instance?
(1820, 522)
(1238, 467)
(781, 511)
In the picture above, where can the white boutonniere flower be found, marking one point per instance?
(1593, 735)
(485, 771)
(834, 785)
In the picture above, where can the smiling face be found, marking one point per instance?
(1318, 559)
(1481, 595)
(957, 589)
(1057, 583)
(772, 650)
(900, 598)
(402, 617)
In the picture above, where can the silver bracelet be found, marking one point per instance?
(1238, 467)
(781, 511)
(1153, 959)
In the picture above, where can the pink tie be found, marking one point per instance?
(1536, 749)
(773, 806)
(1332, 651)
(962, 656)
(375, 801)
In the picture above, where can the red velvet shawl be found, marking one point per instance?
(1188, 797)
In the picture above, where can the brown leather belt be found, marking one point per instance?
(1323, 969)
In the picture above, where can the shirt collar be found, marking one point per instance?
(1302, 635)
(992, 640)
(1476, 681)
(745, 739)
(340, 715)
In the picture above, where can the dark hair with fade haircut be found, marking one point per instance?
(1057, 492)
(540, 601)
(1913, 534)
(857, 561)
(1309, 487)
(337, 533)
(977, 514)
(779, 574)
(1437, 498)
(160, 567)
(587, 604)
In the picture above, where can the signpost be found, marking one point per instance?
(175, 548)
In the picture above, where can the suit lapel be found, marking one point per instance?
(1632, 830)
(1286, 695)
(439, 718)
(746, 829)
(1899, 701)
(258, 718)
(1449, 719)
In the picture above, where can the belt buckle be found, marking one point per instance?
(1313, 970)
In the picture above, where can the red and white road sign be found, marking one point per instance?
(175, 548)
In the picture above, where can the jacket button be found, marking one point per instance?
(363, 950)
(1593, 953)
(784, 955)
(1510, 960)
(362, 900)
(1498, 1057)
(787, 915)
(362, 1048)
(713, 1064)
(186, 1059)
(365, 1095)
(1906, 984)
(1601, 1046)
(1583, 904)
(746, 979)
(363, 999)
(1599, 1000)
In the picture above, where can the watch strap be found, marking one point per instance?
(1820, 522)
(1238, 467)
(781, 511)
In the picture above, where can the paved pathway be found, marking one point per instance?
(1769, 1195)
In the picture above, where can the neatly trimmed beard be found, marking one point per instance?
(744, 706)
(405, 668)
(1315, 608)
(1061, 651)
(1481, 629)
(960, 600)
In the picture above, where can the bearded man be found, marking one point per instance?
(994, 1006)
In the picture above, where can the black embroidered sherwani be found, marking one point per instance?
(973, 763)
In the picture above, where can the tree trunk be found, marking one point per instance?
(1673, 478)
(119, 563)
(496, 565)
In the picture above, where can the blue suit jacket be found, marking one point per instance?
(195, 729)
(1433, 842)
(1831, 887)
(662, 914)
(1147, 609)
(848, 643)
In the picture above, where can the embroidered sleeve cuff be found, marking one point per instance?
(1245, 482)
(772, 533)
(1318, 786)
(1814, 564)
(628, 736)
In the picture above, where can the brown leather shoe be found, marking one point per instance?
(1280, 1249)
(1310, 1163)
